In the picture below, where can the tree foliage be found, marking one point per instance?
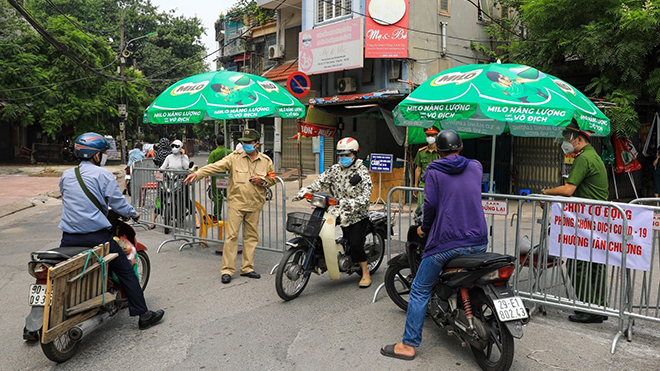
(616, 42)
(65, 93)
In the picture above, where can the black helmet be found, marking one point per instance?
(448, 140)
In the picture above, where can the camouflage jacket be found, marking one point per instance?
(353, 196)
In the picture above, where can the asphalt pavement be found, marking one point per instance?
(244, 325)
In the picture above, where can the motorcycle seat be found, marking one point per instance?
(61, 253)
(480, 260)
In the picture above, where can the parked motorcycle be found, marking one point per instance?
(316, 249)
(472, 300)
(73, 294)
(68, 150)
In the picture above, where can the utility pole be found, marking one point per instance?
(122, 107)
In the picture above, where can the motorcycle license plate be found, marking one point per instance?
(37, 296)
(510, 309)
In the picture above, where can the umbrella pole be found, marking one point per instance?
(616, 189)
(224, 131)
(299, 159)
(492, 162)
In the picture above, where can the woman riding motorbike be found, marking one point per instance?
(349, 182)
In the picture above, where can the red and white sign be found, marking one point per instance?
(656, 222)
(601, 237)
(495, 207)
(308, 130)
(386, 34)
(222, 181)
(335, 47)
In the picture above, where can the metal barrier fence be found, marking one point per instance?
(546, 242)
(195, 213)
(644, 298)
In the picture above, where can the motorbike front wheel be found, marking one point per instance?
(291, 278)
(498, 354)
(398, 282)
(60, 349)
(143, 268)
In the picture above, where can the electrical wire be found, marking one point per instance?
(210, 54)
(415, 30)
(79, 25)
(44, 86)
(56, 43)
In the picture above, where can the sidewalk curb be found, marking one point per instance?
(26, 203)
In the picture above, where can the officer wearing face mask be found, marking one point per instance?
(250, 172)
(85, 224)
(348, 181)
(588, 179)
(424, 157)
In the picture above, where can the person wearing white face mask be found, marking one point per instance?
(349, 182)
(588, 179)
(424, 157)
(88, 191)
(178, 160)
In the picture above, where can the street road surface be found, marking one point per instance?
(244, 325)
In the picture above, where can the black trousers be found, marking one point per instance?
(119, 265)
(356, 234)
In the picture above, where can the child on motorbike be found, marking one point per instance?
(349, 182)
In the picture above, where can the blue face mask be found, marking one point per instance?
(248, 148)
(346, 161)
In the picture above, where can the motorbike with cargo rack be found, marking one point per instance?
(73, 293)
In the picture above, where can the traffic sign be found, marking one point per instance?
(380, 163)
(298, 84)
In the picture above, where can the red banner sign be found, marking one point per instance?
(308, 130)
(386, 29)
(626, 155)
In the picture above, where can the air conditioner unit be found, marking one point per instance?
(244, 32)
(275, 52)
(346, 85)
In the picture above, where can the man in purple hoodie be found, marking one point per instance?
(454, 220)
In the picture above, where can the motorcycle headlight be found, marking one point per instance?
(319, 201)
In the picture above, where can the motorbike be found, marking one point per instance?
(128, 180)
(315, 249)
(73, 294)
(471, 300)
(68, 150)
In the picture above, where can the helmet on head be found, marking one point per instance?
(347, 145)
(89, 144)
(448, 140)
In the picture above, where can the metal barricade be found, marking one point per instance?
(644, 296)
(559, 272)
(209, 200)
(163, 199)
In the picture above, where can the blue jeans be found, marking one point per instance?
(420, 293)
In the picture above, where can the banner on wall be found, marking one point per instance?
(386, 29)
(309, 130)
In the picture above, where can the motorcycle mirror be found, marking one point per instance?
(191, 164)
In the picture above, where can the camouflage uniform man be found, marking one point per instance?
(250, 172)
(424, 157)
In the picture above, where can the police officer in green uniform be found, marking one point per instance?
(217, 194)
(424, 157)
(588, 179)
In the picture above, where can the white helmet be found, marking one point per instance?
(347, 145)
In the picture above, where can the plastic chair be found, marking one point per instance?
(207, 222)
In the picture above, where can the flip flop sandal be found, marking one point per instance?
(388, 351)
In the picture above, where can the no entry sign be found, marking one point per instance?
(298, 84)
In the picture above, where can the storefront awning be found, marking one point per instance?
(358, 104)
(282, 71)
(242, 57)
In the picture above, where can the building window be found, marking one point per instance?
(331, 9)
(490, 10)
(443, 6)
